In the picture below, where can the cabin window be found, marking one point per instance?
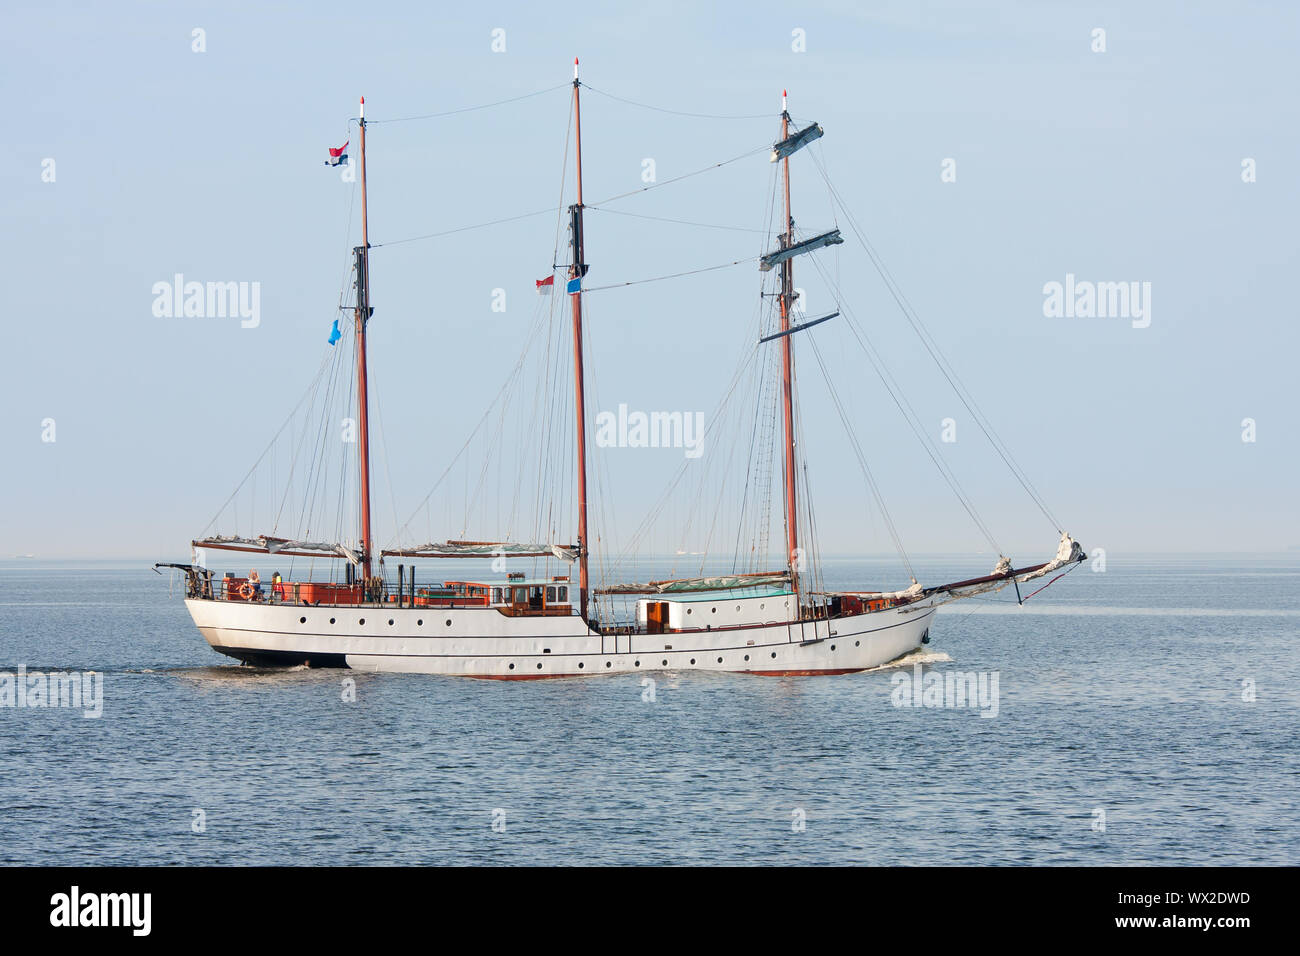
(550, 594)
(498, 596)
(564, 595)
(521, 595)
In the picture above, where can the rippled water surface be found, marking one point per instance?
(1119, 692)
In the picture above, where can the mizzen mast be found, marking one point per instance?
(363, 312)
(577, 269)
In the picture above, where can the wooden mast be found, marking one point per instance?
(576, 272)
(363, 312)
(787, 373)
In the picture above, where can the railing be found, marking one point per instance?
(382, 593)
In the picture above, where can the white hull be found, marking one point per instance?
(483, 642)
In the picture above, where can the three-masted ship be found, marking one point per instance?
(514, 626)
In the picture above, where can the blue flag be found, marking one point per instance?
(335, 334)
(574, 286)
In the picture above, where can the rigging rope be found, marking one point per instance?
(660, 109)
(551, 209)
(449, 232)
(469, 109)
(862, 460)
(909, 414)
(677, 179)
(936, 354)
(680, 222)
(675, 275)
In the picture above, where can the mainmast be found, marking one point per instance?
(577, 270)
(363, 312)
(787, 369)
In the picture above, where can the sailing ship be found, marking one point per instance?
(517, 626)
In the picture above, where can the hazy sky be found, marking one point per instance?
(1123, 165)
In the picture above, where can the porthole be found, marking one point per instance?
(857, 643)
(713, 610)
(302, 620)
(719, 660)
(581, 665)
(688, 610)
(331, 620)
(737, 607)
(608, 664)
(665, 663)
(774, 655)
(362, 621)
(761, 606)
(449, 622)
(539, 665)
(512, 666)
(746, 657)
(692, 660)
(390, 622)
(420, 623)
(638, 663)
(832, 647)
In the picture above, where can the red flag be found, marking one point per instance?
(337, 156)
(544, 286)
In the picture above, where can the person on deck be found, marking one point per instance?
(255, 580)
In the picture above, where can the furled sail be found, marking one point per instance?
(796, 141)
(273, 545)
(831, 238)
(727, 582)
(486, 549)
(1068, 552)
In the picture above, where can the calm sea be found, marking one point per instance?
(1146, 714)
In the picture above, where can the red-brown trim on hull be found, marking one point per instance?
(831, 672)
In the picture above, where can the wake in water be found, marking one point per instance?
(919, 656)
(246, 675)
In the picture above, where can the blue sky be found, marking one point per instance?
(1123, 165)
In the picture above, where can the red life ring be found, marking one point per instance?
(246, 591)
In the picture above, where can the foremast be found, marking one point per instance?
(787, 372)
(787, 249)
(577, 269)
